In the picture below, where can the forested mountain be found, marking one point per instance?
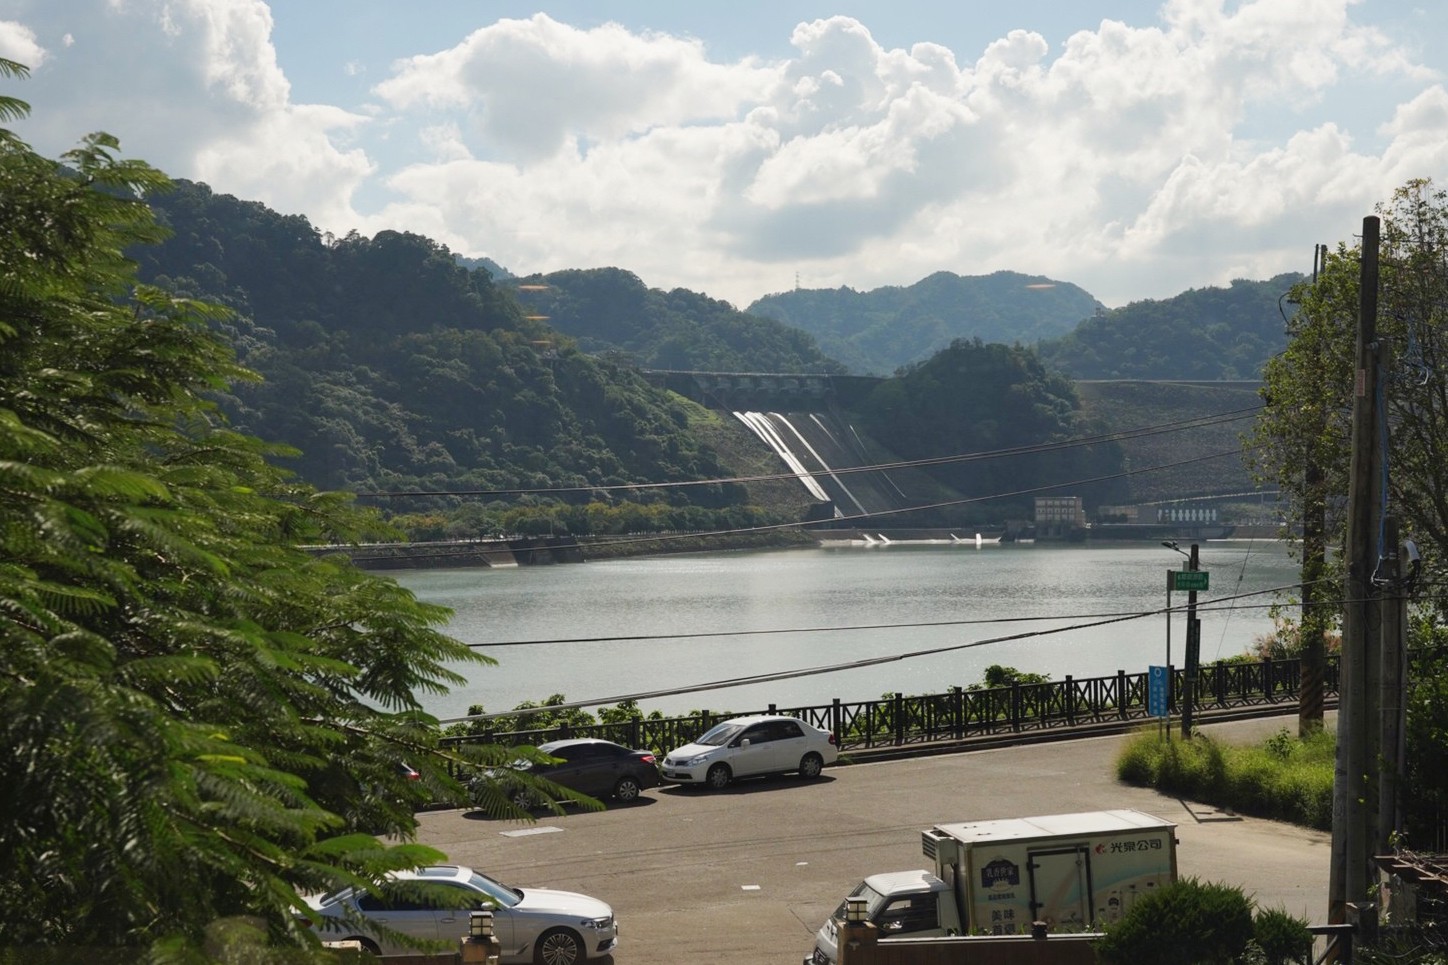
(876, 332)
(390, 368)
(611, 310)
(1205, 333)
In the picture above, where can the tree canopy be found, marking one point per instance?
(1205, 333)
(201, 720)
(1302, 440)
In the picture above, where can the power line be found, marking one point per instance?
(1198, 422)
(833, 668)
(1050, 487)
(802, 524)
(643, 638)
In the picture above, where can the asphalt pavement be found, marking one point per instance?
(749, 873)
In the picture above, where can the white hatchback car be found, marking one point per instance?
(532, 924)
(749, 746)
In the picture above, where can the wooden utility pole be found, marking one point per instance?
(1351, 825)
(1313, 660)
(1394, 672)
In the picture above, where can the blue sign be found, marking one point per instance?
(1156, 691)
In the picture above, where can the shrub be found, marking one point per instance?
(1185, 923)
(1281, 937)
(1285, 778)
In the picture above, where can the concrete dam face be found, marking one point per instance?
(800, 418)
(828, 457)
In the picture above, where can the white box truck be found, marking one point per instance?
(1071, 871)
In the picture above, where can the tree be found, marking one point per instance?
(1309, 391)
(201, 719)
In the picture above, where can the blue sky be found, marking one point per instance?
(1134, 148)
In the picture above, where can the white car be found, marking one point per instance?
(748, 746)
(532, 924)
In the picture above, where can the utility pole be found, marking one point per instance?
(1313, 660)
(1351, 834)
(1194, 649)
(1390, 743)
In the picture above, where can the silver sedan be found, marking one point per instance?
(435, 904)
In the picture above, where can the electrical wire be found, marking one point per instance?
(695, 535)
(1198, 422)
(834, 668)
(1208, 606)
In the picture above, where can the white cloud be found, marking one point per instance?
(528, 87)
(18, 44)
(1136, 159)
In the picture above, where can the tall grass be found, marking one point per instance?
(1284, 778)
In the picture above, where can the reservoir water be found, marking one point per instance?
(603, 631)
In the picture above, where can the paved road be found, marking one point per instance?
(754, 869)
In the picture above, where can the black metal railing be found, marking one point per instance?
(960, 713)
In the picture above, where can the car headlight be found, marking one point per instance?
(697, 760)
(597, 924)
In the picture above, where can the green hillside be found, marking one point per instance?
(1205, 333)
(876, 332)
(1197, 466)
(611, 310)
(389, 368)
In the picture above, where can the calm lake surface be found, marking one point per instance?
(546, 625)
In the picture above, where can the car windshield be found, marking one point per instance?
(874, 897)
(505, 897)
(720, 735)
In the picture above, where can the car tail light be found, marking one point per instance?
(647, 758)
(832, 740)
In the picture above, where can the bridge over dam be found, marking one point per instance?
(764, 390)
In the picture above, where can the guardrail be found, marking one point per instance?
(962, 713)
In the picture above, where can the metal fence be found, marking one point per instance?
(961, 713)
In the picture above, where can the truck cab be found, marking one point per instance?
(900, 904)
(1068, 872)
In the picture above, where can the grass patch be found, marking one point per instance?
(1284, 778)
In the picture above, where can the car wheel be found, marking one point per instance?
(523, 800)
(558, 947)
(810, 766)
(627, 789)
(368, 945)
(718, 777)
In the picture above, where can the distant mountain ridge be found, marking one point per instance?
(610, 310)
(876, 332)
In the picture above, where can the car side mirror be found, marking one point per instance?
(744, 742)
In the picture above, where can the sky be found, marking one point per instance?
(1137, 148)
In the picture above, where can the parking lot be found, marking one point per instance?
(748, 873)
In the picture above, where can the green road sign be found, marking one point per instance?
(1187, 579)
